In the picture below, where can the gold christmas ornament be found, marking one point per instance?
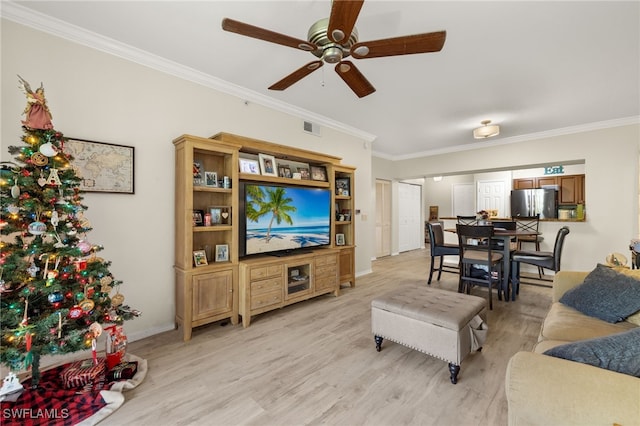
(117, 300)
(39, 159)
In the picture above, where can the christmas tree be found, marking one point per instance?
(55, 293)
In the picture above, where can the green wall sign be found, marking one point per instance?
(554, 170)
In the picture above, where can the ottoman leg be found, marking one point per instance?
(454, 370)
(378, 340)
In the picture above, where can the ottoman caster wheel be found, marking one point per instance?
(378, 340)
(454, 370)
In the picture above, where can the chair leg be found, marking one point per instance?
(540, 268)
(440, 268)
(515, 280)
(431, 270)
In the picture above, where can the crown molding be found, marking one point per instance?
(588, 127)
(50, 25)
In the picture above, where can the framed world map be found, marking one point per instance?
(103, 167)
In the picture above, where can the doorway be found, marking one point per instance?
(491, 197)
(410, 228)
(383, 218)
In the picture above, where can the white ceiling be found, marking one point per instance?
(536, 68)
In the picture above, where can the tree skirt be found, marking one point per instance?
(53, 405)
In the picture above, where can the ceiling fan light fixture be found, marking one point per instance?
(487, 130)
(332, 55)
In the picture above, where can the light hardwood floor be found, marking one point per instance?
(315, 363)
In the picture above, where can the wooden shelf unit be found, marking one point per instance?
(343, 199)
(267, 283)
(252, 285)
(209, 293)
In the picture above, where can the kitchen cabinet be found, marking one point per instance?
(571, 189)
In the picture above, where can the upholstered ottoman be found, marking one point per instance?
(440, 323)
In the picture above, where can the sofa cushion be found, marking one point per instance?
(618, 352)
(635, 318)
(568, 324)
(605, 294)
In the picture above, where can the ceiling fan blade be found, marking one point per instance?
(296, 76)
(266, 35)
(354, 79)
(406, 45)
(344, 14)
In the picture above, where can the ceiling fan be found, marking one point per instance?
(335, 38)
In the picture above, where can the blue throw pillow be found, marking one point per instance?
(605, 294)
(618, 352)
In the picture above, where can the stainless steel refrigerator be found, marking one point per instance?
(529, 202)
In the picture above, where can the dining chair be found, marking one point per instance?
(467, 220)
(476, 254)
(530, 224)
(438, 248)
(542, 259)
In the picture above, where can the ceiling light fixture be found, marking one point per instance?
(486, 131)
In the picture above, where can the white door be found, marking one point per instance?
(410, 232)
(491, 196)
(383, 218)
(463, 200)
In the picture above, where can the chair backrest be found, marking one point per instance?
(474, 237)
(509, 225)
(527, 223)
(436, 234)
(557, 247)
(467, 220)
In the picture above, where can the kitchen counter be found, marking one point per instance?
(502, 219)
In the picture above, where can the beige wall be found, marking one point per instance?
(97, 96)
(611, 167)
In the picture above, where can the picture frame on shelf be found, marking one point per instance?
(248, 165)
(284, 171)
(343, 186)
(220, 215)
(211, 179)
(340, 240)
(200, 258)
(304, 172)
(268, 165)
(198, 177)
(222, 252)
(198, 218)
(319, 173)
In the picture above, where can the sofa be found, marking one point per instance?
(547, 390)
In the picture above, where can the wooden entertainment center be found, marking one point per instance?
(213, 281)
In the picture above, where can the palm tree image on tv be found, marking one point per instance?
(274, 202)
(285, 218)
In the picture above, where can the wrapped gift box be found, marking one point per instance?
(81, 373)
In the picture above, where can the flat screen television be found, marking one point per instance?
(281, 219)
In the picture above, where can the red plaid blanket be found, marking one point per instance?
(51, 404)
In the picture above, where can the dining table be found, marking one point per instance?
(506, 235)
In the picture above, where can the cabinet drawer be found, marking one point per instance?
(326, 282)
(265, 271)
(263, 286)
(326, 272)
(266, 299)
(326, 260)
